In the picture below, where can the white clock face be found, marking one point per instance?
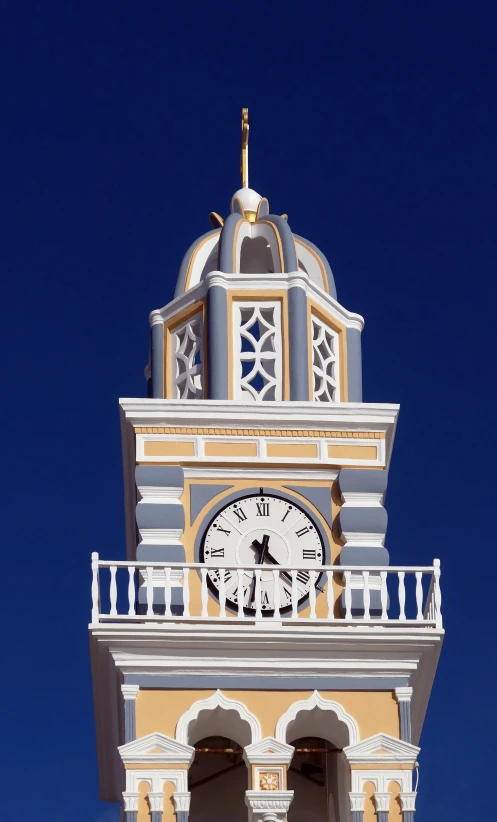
(267, 530)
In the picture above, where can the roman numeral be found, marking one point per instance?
(223, 530)
(284, 518)
(217, 552)
(309, 553)
(264, 598)
(262, 509)
(240, 514)
(303, 577)
(302, 531)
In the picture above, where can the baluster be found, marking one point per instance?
(150, 591)
(203, 591)
(348, 595)
(312, 594)
(366, 595)
(419, 595)
(131, 591)
(329, 595)
(222, 592)
(402, 596)
(167, 592)
(95, 589)
(113, 591)
(186, 593)
(295, 595)
(258, 611)
(438, 594)
(240, 592)
(384, 595)
(276, 594)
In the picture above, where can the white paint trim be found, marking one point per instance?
(381, 780)
(295, 476)
(157, 779)
(366, 751)
(217, 700)
(130, 692)
(404, 694)
(171, 751)
(268, 751)
(317, 701)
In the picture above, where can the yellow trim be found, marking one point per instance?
(353, 452)
(320, 262)
(341, 330)
(193, 258)
(262, 432)
(169, 448)
(292, 449)
(246, 296)
(215, 448)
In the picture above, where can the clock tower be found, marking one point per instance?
(256, 656)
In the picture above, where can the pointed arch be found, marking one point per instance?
(188, 721)
(316, 701)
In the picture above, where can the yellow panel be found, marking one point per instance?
(395, 812)
(292, 449)
(230, 449)
(171, 448)
(353, 452)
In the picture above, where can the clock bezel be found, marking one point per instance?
(248, 494)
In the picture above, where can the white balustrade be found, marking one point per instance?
(332, 594)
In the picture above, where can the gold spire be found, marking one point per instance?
(244, 159)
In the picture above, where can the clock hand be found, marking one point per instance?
(285, 574)
(262, 549)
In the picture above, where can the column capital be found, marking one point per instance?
(382, 801)
(130, 799)
(403, 694)
(357, 800)
(156, 799)
(408, 801)
(181, 801)
(268, 806)
(130, 691)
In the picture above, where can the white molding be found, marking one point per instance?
(381, 779)
(382, 801)
(217, 700)
(363, 539)
(361, 499)
(268, 805)
(156, 800)
(317, 701)
(159, 494)
(160, 536)
(296, 476)
(366, 751)
(131, 799)
(408, 801)
(357, 800)
(181, 801)
(172, 752)
(130, 692)
(268, 751)
(156, 779)
(403, 694)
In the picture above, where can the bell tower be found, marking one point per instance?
(256, 656)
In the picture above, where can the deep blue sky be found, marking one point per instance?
(373, 125)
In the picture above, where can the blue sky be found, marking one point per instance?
(373, 126)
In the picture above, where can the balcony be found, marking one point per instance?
(164, 593)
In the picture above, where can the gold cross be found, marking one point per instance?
(244, 159)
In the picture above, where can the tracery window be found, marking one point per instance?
(257, 351)
(187, 351)
(325, 369)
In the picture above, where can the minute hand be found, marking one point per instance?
(288, 576)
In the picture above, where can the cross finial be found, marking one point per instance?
(244, 159)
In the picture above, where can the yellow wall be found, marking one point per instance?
(160, 710)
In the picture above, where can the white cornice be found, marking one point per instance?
(269, 751)
(367, 752)
(156, 748)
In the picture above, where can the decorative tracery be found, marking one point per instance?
(324, 362)
(258, 356)
(187, 342)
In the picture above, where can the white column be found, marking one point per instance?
(408, 805)
(181, 801)
(130, 693)
(382, 802)
(404, 696)
(268, 806)
(156, 800)
(357, 800)
(130, 799)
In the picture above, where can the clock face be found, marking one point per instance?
(267, 530)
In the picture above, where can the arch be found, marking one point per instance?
(286, 722)
(190, 726)
(194, 261)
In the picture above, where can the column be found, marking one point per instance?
(268, 806)
(130, 799)
(354, 365)
(298, 342)
(157, 354)
(357, 800)
(382, 802)
(404, 696)
(181, 801)
(219, 338)
(408, 805)
(130, 693)
(156, 802)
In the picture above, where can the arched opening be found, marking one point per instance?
(217, 780)
(256, 256)
(308, 777)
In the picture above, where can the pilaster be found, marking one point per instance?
(408, 805)
(130, 799)
(218, 339)
(382, 802)
(357, 800)
(404, 696)
(130, 694)
(156, 802)
(298, 343)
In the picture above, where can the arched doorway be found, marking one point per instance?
(217, 780)
(312, 777)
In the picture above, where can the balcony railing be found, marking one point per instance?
(162, 592)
